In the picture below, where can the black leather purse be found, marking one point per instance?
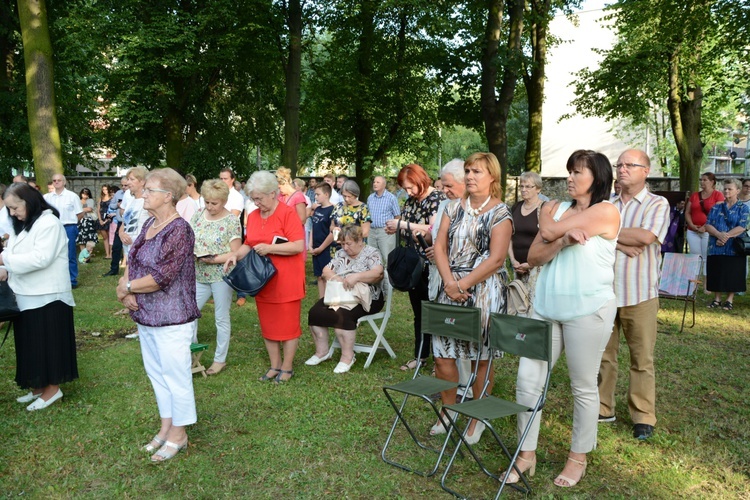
(8, 307)
(405, 264)
(742, 244)
(251, 274)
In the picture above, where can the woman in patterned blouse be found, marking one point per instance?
(217, 234)
(349, 211)
(159, 290)
(419, 211)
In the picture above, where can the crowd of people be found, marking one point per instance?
(590, 265)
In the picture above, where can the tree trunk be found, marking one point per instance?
(362, 120)
(534, 83)
(174, 143)
(495, 110)
(293, 74)
(685, 118)
(40, 91)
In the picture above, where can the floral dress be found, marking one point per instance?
(469, 246)
(420, 212)
(344, 215)
(212, 237)
(87, 225)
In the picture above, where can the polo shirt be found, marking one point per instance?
(67, 203)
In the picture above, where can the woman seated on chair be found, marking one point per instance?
(359, 268)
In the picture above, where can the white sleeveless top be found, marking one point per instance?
(577, 281)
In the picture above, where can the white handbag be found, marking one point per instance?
(336, 295)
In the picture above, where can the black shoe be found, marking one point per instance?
(110, 273)
(603, 419)
(643, 431)
(74, 285)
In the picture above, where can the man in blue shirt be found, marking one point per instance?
(114, 207)
(383, 207)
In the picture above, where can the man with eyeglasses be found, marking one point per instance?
(71, 211)
(645, 220)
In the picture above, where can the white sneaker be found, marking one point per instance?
(315, 360)
(343, 367)
(28, 398)
(41, 404)
(132, 335)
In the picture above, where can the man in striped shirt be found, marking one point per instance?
(645, 220)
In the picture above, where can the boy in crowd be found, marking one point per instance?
(321, 237)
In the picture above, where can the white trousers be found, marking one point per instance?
(222, 294)
(698, 245)
(584, 340)
(385, 243)
(166, 357)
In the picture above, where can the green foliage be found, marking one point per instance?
(633, 77)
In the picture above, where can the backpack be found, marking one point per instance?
(517, 300)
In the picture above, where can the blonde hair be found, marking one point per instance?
(284, 175)
(138, 172)
(489, 162)
(215, 189)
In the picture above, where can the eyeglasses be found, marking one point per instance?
(154, 190)
(628, 166)
(523, 186)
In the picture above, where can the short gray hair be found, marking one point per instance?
(735, 181)
(455, 167)
(533, 177)
(263, 182)
(351, 187)
(169, 180)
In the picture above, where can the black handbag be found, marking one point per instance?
(742, 244)
(8, 307)
(251, 274)
(405, 264)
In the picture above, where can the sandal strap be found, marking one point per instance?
(290, 372)
(582, 464)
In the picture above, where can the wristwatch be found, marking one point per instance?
(128, 286)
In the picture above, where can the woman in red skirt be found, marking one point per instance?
(275, 230)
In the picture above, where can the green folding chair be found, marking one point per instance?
(463, 323)
(529, 338)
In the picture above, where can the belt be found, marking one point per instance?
(71, 224)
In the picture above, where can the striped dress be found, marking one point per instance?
(469, 246)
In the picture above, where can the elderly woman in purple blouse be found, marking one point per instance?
(159, 289)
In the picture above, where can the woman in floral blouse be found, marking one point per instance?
(419, 211)
(217, 235)
(350, 211)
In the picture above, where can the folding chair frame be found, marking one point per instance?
(689, 297)
(196, 351)
(490, 407)
(422, 387)
(379, 330)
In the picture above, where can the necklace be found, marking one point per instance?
(156, 226)
(475, 211)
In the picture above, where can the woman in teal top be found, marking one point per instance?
(575, 292)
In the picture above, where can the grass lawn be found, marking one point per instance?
(321, 434)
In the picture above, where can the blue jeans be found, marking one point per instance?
(72, 231)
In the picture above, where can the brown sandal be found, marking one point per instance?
(215, 368)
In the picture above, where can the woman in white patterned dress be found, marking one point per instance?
(470, 251)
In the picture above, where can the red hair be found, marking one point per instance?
(417, 176)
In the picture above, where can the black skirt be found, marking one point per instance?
(45, 346)
(725, 273)
(345, 319)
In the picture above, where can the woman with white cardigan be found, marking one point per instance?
(36, 267)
